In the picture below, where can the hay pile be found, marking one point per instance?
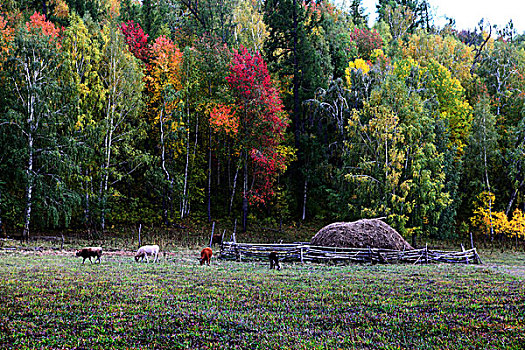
(372, 233)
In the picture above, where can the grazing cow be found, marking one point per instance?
(87, 253)
(216, 239)
(206, 254)
(146, 250)
(274, 261)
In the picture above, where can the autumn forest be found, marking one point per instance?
(163, 112)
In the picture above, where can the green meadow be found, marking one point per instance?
(52, 301)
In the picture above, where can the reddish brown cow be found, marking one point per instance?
(274, 260)
(89, 252)
(206, 254)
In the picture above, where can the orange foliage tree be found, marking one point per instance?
(163, 83)
(223, 118)
(6, 38)
(39, 25)
(164, 75)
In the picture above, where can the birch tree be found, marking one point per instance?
(121, 77)
(163, 85)
(82, 47)
(36, 111)
(483, 155)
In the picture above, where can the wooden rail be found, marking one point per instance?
(305, 252)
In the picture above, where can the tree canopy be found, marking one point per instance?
(118, 112)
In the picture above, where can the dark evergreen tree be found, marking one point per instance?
(337, 32)
(210, 17)
(357, 13)
(129, 10)
(150, 18)
(419, 8)
(92, 8)
(299, 56)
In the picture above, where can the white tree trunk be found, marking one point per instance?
(163, 166)
(108, 144)
(184, 201)
(487, 183)
(304, 199)
(87, 208)
(29, 189)
(233, 190)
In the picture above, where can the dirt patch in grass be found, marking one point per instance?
(512, 270)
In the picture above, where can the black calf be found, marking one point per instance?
(274, 261)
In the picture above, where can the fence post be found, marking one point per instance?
(478, 259)
(140, 228)
(212, 229)
(234, 229)
(302, 262)
(236, 252)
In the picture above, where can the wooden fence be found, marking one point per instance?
(305, 252)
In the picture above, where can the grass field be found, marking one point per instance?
(52, 301)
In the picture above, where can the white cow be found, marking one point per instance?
(146, 250)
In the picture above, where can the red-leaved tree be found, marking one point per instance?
(262, 125)
(136, 39)
(366, 41)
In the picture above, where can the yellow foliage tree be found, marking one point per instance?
(250, 30)
(500, 222)
(61, 9)
(517, 224)
(447, 50)
(514, 228)
(483, 217)
(436, 80)
(358, 64)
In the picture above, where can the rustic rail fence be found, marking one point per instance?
(305, 252)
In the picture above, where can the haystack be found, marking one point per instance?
(364, 233)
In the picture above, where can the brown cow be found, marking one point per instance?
(206, 254)
(216, 239)
(87, 253)
(274, 260)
